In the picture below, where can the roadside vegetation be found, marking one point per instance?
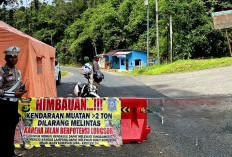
(79, 28)
(182, 66)
(70, 65)
(64, 73)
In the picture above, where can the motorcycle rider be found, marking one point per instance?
(97, 74)
(95, 64)
(86, 90)
(94, 77)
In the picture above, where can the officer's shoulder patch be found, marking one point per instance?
(17, 70)
(0, 77)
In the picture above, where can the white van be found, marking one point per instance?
(57, 72)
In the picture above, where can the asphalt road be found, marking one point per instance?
(112, 85)
(195, 127)
(208, 83)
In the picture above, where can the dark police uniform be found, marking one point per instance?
(10, 81)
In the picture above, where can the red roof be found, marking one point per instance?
(112, 53)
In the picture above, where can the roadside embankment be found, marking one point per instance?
(183, 66)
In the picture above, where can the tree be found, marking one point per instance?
(85, 27)
(96, 31)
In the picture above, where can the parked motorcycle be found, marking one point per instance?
(89, 89)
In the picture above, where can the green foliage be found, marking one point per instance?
(88, 27)
(86, 59)
(64, 73)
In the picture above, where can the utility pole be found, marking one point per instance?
(51, 39)
(171, 45)
(157, 32)
(228, 40)
(147, 4)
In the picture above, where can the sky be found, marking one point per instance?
(26, 3)
(29, 1)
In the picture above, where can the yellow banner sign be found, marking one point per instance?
(71, 121)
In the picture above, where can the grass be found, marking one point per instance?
(63, 73)
(69, 65)
(183, 66)
(73, 65)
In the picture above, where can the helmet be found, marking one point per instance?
(98, 76)
(86, 69)
(97, 56)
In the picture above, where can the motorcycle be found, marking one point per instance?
(89, 89)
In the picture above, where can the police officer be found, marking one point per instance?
(10, 92)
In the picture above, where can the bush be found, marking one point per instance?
(86, 59)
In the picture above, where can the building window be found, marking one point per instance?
(39, 65)
(116, 60)
(122, 62)
(137, 62)
(52, 64)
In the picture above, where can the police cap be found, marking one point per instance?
(12, 51)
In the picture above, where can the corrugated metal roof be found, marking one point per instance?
(123, 52)
(120, 52)
(112, 53)
(222, 13)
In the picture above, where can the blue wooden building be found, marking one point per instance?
(125, 59)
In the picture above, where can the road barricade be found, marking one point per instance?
(134, 120)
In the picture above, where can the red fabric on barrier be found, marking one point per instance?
(134, 123)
